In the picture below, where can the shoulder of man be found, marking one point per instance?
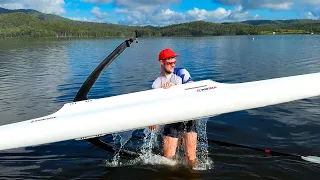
(184, 74)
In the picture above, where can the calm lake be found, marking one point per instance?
(39, 76)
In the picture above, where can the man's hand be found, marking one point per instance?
(167, 85)
(152, 128)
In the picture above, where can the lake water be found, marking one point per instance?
(39, 76)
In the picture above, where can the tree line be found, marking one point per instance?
(20, 25)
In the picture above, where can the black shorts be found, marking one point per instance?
(177, 129)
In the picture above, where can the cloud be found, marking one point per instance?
(79, 18)
(220, 15)
(97, 13)
(97, 1)
(308, 8)
(12, 6)
(312, 2)
(157, 12)
(260, 4)
(121, 11)
(240, 14)
(202, 14)
(309, 15)
(146, 12)
(257, 16)
(160, 17)
(280, 6)
(168, 16)
(146, 6)
(302, 7)
(45, 6)
(85, 19)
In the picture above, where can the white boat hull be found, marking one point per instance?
(92, 118)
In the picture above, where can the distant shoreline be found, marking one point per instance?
(33, 24)
(121, 38)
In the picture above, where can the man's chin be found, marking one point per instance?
(169, 71)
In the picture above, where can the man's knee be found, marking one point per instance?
(190, 137)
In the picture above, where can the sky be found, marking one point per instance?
(166, 12)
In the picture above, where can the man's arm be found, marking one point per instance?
(155, 85)
(185, 75)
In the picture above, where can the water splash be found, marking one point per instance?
(144, 159)
(147, 157)
(204, 161)
(151, 141)
(122, 138)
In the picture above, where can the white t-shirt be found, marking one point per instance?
(160, 81)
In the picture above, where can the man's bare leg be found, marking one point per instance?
(190, 146)
(169, 146)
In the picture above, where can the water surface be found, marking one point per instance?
(39, 76)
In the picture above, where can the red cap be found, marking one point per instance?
(167, 53)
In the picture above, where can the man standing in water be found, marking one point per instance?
(171, 76)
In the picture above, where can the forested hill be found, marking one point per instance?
(36, 14)
(31, 23)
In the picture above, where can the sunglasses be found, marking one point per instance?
(170, 63)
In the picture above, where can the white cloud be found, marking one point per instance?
(257, 16)
(97, 13)
(147, 12)
(220, 15)
(308, 8)
(168, 16)
(121, 11)
(161, 17)
(301, 7)
(79, 18)
(45, 6)
(134, 18)
(311, 2)
(260, 4)
(281, 6)
(11, 5)
(239, 14)
(87, 19)
(309, 15)
(157, 12)
(202, 14)
(97, 1)
(146, 6)
(238, 8)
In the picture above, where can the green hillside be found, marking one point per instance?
(31, 23)
(36, 14)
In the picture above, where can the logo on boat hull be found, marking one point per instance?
(206, 89)
(37, 120)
